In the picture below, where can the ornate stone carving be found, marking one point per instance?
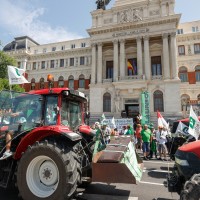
(165, 35)
(131, 15)
(146, 37)
(173, 34)
(154, 12)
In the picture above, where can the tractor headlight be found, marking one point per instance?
(181, 162)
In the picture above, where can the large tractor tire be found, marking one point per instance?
(48, 172)
(191, 189)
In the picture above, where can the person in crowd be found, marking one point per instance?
(153, 145)
(129, 130)
(146, 138)
(138, 136)
(124, 130)
(116, 132)
(106, 132)
(161, 139)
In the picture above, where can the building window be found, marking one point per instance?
(71, 82)
(81, 82)
(107, 102)
(181, 50)
(83, 45)
(73, 46)
(53, 48)
(158, 101)
(43, 65)
(52, 64)
(132, 67)
(197, 73)
(196, 48)
(109, 70)
(61, 82)
(183, 75)
(42, 83)
(71, 62)
(156, 67)
(44, 50)
(195, 29)
(185, 99)
(33, 84)
(34, 66)
(82, 60)
(62, 62)
(19, 64)
(35, 51)
(63, 48)
(180, 31)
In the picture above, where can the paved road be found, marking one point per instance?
(151, 187)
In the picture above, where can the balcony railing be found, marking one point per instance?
(109, 80)
(157, 77)
(135, 77)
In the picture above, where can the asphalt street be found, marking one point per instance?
(151, 187)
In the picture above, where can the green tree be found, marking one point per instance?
(4, 85)
(5, 60)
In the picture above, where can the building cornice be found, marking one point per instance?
(131, 25)
(188, 37)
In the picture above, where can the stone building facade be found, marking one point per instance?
(131, 48)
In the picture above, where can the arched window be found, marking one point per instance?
(71, 82)
(197, 73)
(198, 97)
(61, 82)
(183, 75)
(107, 102)
(158, 101)
(185, 102)
(81, 82)
(32, 84)
(42, 83)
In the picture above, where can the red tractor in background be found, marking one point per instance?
(53, 149)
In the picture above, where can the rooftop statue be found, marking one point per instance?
(101, 4)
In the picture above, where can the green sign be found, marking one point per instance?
(145, 108)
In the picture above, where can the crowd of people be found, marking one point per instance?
(149, 141)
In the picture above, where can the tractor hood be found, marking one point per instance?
(192, 147)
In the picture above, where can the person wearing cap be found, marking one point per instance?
(161, 139)
(146, 138)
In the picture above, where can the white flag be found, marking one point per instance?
(103, 117)
(113, 122)
(194, 124)
(161, 121)
(182, 128)
(16, 76)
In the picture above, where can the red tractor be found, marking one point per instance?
(53, 150)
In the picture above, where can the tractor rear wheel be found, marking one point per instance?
(191, 189)
(48, 171)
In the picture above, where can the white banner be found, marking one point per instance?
(16, 76)
(119, 123)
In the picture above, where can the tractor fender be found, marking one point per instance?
(41, 133)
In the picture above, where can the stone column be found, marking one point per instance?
(147, 58)
(93, 73)
(166, 65)
(99, 65)
(116, 62)
(24, 63)
(174, 56)
(122, 58)
(139, 56)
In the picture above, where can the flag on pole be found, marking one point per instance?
(182, 128)
(194, 124)
(103, 117)
(113, 122)
(161, 121)
(16, 76)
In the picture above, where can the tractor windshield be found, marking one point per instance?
(70, 113)
(22, 111)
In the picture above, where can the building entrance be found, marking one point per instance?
(132, 110)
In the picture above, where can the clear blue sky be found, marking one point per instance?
(58, 20)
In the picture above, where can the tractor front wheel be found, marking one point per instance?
(48, 171)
